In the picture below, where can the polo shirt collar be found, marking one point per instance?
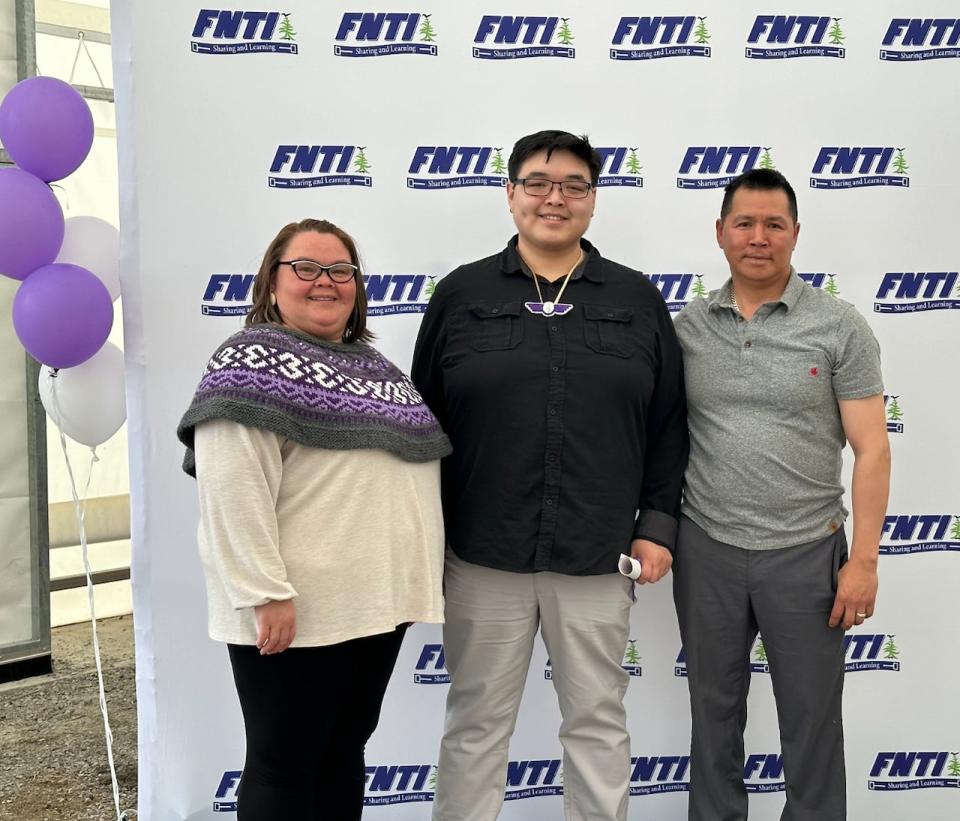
(791, 293)
(591, 268)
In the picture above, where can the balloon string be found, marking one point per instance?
(80, 510)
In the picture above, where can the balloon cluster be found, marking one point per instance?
(69, 269)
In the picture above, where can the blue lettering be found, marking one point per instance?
(815, 279)
(238, 287)
(916, 31)
(652, 30)
(383, 778)
(508, 29)
(673, 287)
(611, 159)
(228, 783)
(860, 644)
(214, 286)
(909, 283)
(430, 652)
(205, 19)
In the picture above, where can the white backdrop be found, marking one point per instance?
(234, 122)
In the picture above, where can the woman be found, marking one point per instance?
(321, 535)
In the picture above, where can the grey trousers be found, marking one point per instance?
(492, 618)
(724, 595)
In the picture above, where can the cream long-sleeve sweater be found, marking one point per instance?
(355, 537)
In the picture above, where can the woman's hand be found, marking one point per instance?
(276, 626)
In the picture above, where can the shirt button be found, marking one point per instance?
(555, 369)
(549, 503)
(495, 311)
(553, 411)
(609, 316)
(748, 344)
(554, 328)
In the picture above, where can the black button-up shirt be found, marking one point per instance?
(569, 432)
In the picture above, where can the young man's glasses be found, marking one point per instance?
(541, 186)
(308, 271)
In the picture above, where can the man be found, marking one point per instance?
(556, 374)
(779, 375)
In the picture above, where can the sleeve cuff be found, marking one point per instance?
(656, 526)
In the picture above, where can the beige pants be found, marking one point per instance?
(491, 620)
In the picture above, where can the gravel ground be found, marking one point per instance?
(53, 756)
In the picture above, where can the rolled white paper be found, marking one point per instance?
(629, 567)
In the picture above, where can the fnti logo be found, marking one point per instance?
(620, 167)
(439, 167)
(677, 289)
(841, 166)
(763, 772)
(652, 38)
(219, 31)
(399, 784)
(921, 38)
(655, 774)
(514, 38)
(382, 33)
(714, 166)
(533, 778)
(390, 294)
(819, 279)
(227, 295)
(920, 533)
(891, 403)
(630, 663)
(318, 166)
(758, 659)
(782, 37)
(908, 292)
(431, 666)
(914, 770)
(871, 651)
(225, 799)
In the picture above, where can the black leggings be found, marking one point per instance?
(307, 714)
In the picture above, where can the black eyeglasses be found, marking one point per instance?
(541, 186)
(308, 270)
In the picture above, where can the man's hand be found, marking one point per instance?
(856, 594)
(276, 626)
(655, 560)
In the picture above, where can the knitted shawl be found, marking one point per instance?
(338, 396)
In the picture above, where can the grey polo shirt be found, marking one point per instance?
(765, 431)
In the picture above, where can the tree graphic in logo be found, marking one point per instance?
(564, 34)
(633, 164)
(701, 35)
(430, 287)
(432, 780)
(760, 652)
(900, 163)
(894, 414)
(632, 655)
(766, 161)
(890, 649)
(427, 32)
(955, 528)
(360, 163)
(953, 768)
(831, 286)
(499, 166)
(286, 28)
(699, 289)
(836, 33)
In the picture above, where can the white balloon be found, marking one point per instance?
(90, 397)
(93, 244)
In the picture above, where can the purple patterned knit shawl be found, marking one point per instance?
(321, 394)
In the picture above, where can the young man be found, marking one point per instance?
(779, 376)
(556, 374)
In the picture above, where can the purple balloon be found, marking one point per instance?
(62, 314)
(31, 223)
(46, 127)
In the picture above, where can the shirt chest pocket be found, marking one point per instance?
(494, 326)
(609, 330)
(800, 381)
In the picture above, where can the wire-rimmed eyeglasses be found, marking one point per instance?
(541, 187)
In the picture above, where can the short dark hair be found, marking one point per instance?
(758, 179)
(551, 141)
(263, 311)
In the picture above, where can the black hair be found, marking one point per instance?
(758, 179)
(551, 141)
